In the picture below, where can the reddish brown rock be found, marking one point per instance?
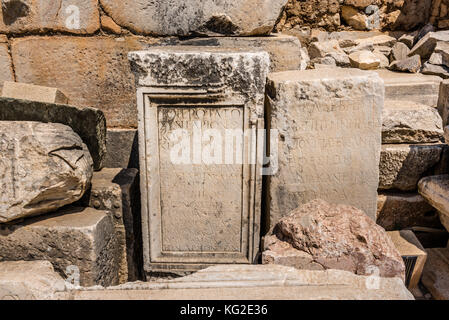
(334, 237)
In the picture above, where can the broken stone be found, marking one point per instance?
(384, 62)
(436, 273)
(409, 246)
(322, 49)
(229, 17)
(364, 60)
(435, 189)
(258, 282)
(354, 18)
(30, 16)
(338, 237)
(397, 211)
(29, 280)
(399, 52)
(442, 49)
(44, 167)
(401, 166)
(116, 191)
(427, 44)
(32, 92)
(304, 131)
(443, 102)
(378, 40)
(383, 49)
(441, 71)
(408, 39)
(71, 239)
(423, 32)
(122, 148)
(96, 73)
(285, 51)
(5, 64)
(365, 46)
(410, 122)
(88, 123)
(411, 64)
(436, 58)
(423, 89)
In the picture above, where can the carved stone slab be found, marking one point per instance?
(199, 111)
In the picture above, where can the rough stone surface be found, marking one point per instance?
(336, 237)
(109, 25)
(425, 46)
(410, 122)
(88, 123)
(72, 238)
(258, 282)
(122, 148)
(399, 51)
(328, 50)
(435, 189)
(384, 62)
(32, 16)
(43, 167)
(400, 210)
(5, 64)
(193, 210)
(29, 280)
(436, 273)
(408, 245)
(401, 166)
(32, 92)
(443, 102)
(442, 50)
(436, 70)
(285, 51)
(299, 107)
(354, 18)
(116, 191)
(228, 17)
(364, 60)
(92, 72)
(419, 88)
(410, 64)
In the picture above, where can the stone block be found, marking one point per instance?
(436, 273)
(37, 16)
(443, 102)
(410, 122)
(116, 191)
(409, 247)
(365, 60)
(43, 167)
(435, 70)
(402, 165)
(32, 92)
(122, 148)
(337, 110)
(400, 210)
(285, 51)
(208, 17)
(5, 64)
(258, 282)
(29, 280)
(71, 239)
(200, 205)
(91, 71)
(88, 123)
(399, 51)
(426, 45)
(411, 64)
(435, 189)
(419, 88)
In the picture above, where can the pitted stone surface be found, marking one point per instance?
(43, 167)
(227, 17)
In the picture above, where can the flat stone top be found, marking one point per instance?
(319, 74)
(69, 218)
(404, 243)
(405, 105)
(391, 77)
(196, 50)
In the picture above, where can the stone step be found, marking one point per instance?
(436, 273)
(435, 189)
(73, 239)
(410, 122)
(411, 87)
(256, 282)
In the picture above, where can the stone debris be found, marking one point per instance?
(411, 64)
(410, 122)
(435, 189)
(32, 92)
(29, 280)
(436, 273)
(364, 60)
(44, 166)
(329, 236)
(88, 123)
(402, 165)
(401, 210)
(74, 240)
